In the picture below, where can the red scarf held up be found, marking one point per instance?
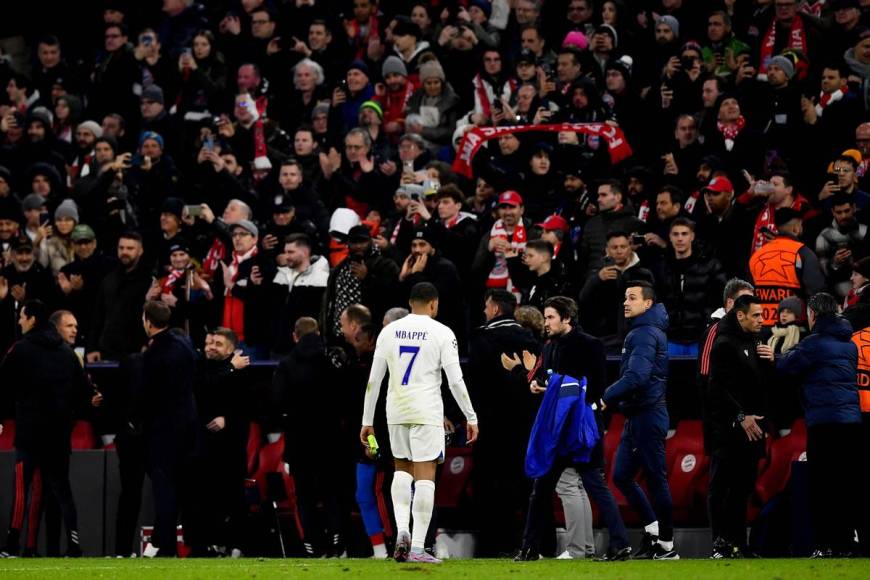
(730, 132)
(214, 257)
(234, 307)
(618, 147)
(797, 41)
(168, 283)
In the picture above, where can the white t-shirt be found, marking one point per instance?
(415, 349)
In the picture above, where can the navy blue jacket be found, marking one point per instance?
(827, 363)
(643, 371)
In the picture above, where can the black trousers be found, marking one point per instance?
(319, 478)
(833, 458)
(131, 460)
(501, 492)
(732, 478)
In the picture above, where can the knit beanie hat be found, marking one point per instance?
(793, 304)
(93, 127)
(67, 209)
(671, 22)
(374, 106)
(432, 69)
(484, 5)
(784, 63)
(173, 205)
(151, 135)
(394, 65)
(360, 66)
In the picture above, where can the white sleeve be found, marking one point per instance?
(373, 390)
(460, 392)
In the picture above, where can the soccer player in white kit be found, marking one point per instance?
(414, 350)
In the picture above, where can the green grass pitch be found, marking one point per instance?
(454, 569)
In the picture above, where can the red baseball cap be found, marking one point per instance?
(554, 222)
(510, 198)
(719, 184)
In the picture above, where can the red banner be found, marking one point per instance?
(617, 146)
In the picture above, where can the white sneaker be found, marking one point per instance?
(441, 552)
(150, 551)
(236, 553)
(566, 555)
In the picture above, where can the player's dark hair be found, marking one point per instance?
(541, 246)
(228, 334)
(299, 239)
(504, 299)
(733, 287)
(36, 309)
(304, 326)
(682, 221)
(744, 303)
(57, 316)
(157, 313)
(565, 307)
(647, 290)
(423, 293)
(823, 304)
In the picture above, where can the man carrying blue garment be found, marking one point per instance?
(640, 395)
(571, 352)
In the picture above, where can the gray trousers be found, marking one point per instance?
(578, 514)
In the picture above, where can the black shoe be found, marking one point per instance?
(660, 553)
(645, 552)
(620, 555)
(722, 549)
(527, 555)
(337, 549)
(819, 554)
(74, 551)
(30, 553)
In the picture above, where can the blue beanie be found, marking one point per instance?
(151, 135)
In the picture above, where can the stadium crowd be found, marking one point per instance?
(272, 178)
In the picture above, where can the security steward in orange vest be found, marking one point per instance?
(859, 317)
(784, 266)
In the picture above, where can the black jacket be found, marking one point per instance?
(38, 283)
(48, 385)
(738, 384)
(168, 409)
(595, 236)
(442, 273)
(505, 405)
(536, 289)
(219, 391)
(691, 290)
(601, 309)
(116, 328)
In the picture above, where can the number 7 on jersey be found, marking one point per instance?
(413, 351)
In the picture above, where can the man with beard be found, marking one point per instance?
(220, 464)
(297, 288)
(86, 137)
(116, 329)
(570, 351)
(394, 99)
(11, 221)
(80, 279)
(364, 277)
(24, 279)
(508, 234)
(841, 244)
(737, 402)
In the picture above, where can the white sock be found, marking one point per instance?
(652, 529)
(424, 501)
(380, 551)
(667, 545)
(401, 494)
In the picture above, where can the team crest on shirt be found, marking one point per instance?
(455, 345)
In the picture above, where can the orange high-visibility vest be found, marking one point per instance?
(862, 341)
(774, 273)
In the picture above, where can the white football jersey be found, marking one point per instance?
(416, 348)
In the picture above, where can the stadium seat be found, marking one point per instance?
(453, 484)
(7, 438)
(777, 469)
(271, 460)
(688, 473)
(83, 437)
(255, 441)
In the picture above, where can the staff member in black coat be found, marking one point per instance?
(217, 506)
(168, 419)
(49, 384)
(508, 408)
(736, 403)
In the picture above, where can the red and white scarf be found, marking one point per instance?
(472, 141)
(499, 277)
(826, 99)
(167, 285)
(234, 308)
(765, 220)
(485, 93)
(730, 132)
(797, 41)
(213, 258)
